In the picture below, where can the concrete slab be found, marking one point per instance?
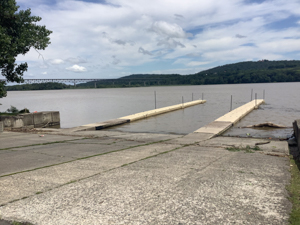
(14, 139)
(27, 158)
(15, 161)
(146, 137)
(187, 186)
(109, 141)
(51, 177)
(264, 144)
(191, 138)
(215, 127)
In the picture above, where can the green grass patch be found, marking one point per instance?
(294, 190)
(247, 149)
(9, 114)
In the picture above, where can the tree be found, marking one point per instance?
(18, 33)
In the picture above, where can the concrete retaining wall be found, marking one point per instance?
(296, 126)
(39, 119)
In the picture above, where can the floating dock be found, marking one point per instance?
(137, 116)
(223, 123)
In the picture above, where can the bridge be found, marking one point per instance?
(84, 80)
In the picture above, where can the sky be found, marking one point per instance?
(115, 38)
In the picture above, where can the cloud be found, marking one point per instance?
(219, 32)
(195, 63)
(76, 60)
(56, 61)
(77, 69)
(115, 60)
(240, 36)
(120, 42)
(144, 52)
(44, 73)
(170, 30)
(170, 43)
(178, 16)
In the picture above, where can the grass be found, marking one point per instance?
(246, 149)
(294, 190)
(9, 114)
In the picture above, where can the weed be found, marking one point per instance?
(256, 148)
(293, 189)
(233, 149)
(247, 149)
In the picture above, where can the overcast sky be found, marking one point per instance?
(114, 38)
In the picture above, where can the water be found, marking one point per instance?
(83, 106)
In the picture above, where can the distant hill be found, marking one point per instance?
(263, 71)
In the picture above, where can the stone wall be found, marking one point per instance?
(39, 119)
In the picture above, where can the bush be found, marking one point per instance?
(12, 109)
(24, 111)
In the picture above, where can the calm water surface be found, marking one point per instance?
(83, 106)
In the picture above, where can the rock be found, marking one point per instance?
(267, 124)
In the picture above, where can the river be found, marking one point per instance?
(83, 106)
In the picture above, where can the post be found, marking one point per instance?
(155, 98)
(251, 93)
(74, 83)
(95, 85)
(264, 95)
(230, 104)
(255, 99)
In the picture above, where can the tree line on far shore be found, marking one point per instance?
(244, 72)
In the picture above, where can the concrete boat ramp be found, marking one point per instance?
(106, 177)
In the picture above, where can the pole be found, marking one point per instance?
(255, 99)
(251, 93)
(155, 98)
(231, 104)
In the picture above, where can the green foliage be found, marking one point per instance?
(18, 33)
(246, 149)
(294, 192)
(243, 72)
(24, 111)
(12, 109)
(42, 86)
